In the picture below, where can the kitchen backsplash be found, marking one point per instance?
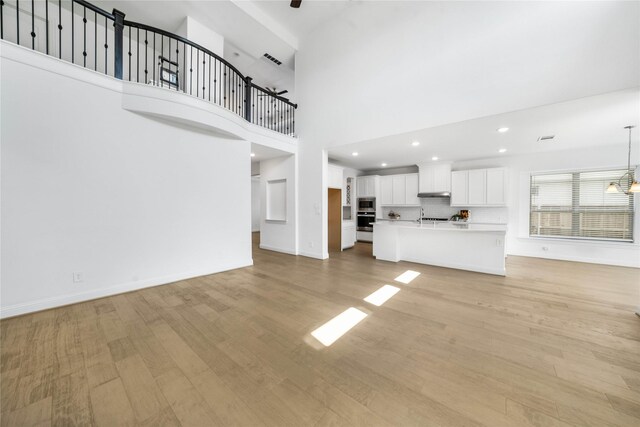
(436, 207)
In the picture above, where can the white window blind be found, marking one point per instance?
(575, 205)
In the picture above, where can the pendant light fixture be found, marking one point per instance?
(616, 187)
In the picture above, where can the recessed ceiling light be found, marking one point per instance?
(502, 150)
(354, 154)
(253, 154)
(434, 158)
(415, 143)
(384, 165)
(502, 130)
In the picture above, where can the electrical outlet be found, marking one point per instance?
(78, 277)
(498, 242)
(310, 244)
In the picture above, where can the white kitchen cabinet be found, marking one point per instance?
(479, 187)
(399, 189)
(366, 186)
(411, 190)
(459, 188)
(435, 178)
(348, 234)
(496, 186)
(335, 176)
(364, 236)
(386, 190)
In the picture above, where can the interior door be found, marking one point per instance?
(335, 219)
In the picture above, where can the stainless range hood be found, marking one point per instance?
(439, 194)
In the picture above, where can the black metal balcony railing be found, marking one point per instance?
(83, 34)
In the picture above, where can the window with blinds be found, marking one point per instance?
(576, 205)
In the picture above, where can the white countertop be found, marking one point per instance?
(444, 226)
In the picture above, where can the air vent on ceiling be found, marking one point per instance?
(272, 59)
(546, 138)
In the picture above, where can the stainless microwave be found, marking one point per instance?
(367, 204)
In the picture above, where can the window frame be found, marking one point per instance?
(576, 210)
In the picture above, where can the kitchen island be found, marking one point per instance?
(460, 245)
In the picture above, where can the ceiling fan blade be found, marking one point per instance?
(295, 3)
(282, 92)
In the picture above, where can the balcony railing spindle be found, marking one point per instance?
(217, 81)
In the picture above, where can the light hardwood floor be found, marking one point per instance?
(553, 344)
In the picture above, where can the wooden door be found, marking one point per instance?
(335, 219)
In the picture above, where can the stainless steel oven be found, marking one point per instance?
(366, 204)
(366, 221)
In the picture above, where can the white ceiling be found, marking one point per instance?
(385, 68)
(302, 21)
(265, 153)
(250, 34)
(579, 124)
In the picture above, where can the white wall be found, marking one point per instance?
(396, 67)
(200, 34)
(279, 236)
(255, 203)
(519, 171)
(125, 200)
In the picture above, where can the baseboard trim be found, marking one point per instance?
(59, 301)
(617, 263)
(276, 249)
(314, 255)
(458, 266)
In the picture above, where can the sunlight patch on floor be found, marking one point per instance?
(382, 295)
(328, 333)
(407, 277)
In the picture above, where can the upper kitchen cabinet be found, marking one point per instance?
(496, 187)
(459, 188)
(479, 187)
(386, 190)
(335, 177)
(399, 190)
(435, 178)
(366, 186)
(412, 189)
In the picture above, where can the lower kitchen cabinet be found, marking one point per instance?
(364, 236)
(348, 234)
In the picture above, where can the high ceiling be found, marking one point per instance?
(583, 123)
(250, 28)
(247, 31)
(302, 21)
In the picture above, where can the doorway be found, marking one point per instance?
(335, 219)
